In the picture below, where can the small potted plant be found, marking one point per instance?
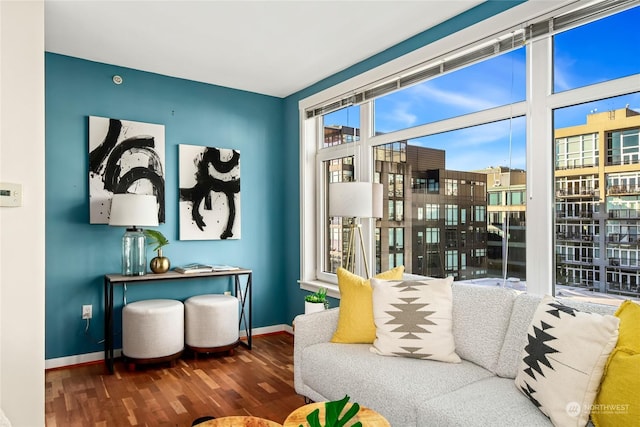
(316, 301)
(159, 264)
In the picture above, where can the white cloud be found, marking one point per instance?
(398, 117)
(447, 97)
(562, 77)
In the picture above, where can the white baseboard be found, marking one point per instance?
(80, 359)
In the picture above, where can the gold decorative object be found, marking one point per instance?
(160, 264)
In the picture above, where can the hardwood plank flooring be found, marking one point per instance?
(257, 382)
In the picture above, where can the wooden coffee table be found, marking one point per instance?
(239, 421)
(368, 417)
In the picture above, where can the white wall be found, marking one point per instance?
(22, 259)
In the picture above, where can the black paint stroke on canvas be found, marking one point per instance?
(205, 184)
(111, 152)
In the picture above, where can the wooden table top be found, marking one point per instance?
(368, 417)
(239, 421)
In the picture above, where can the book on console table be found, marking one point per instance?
(203, 268)
(224, 268)
(194, 268)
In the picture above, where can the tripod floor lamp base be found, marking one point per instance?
(351, 250)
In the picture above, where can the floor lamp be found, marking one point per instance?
(355, 200)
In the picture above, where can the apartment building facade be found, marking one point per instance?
(597, 190)
(506, 221)
(435, 219)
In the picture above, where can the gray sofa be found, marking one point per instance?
(490, 331)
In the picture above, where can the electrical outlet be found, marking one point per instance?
(87, 311)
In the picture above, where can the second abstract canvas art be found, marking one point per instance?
(209, 193)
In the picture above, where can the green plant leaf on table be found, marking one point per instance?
(156, 238)
(314, 419)
(332, 414)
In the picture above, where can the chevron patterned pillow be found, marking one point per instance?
(563, 362)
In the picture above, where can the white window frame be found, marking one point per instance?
(538, 108)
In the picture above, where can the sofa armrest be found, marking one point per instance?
(316, 327)
(311, 329)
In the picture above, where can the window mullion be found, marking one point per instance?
(539, 230)
(594, 92)
(366, 173)
(469, 120)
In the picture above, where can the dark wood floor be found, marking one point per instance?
(257, 382)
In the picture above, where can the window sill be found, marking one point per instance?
(334, 291)
(315, 285)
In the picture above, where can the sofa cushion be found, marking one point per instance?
(395, 387)
(516, 337)
(355, 321)
(562, 363)
(491, 401)
(413, 318)
(615, 405)
(480, 318)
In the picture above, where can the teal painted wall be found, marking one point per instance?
(78, 254)
(292, 128)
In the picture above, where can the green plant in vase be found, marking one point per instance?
(160, 263)
(316, 301)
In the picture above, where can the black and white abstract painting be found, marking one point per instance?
(124, 157)
(209, 193)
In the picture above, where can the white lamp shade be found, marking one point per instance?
(355, 199)
(129, 210)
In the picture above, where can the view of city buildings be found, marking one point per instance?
(440, 222)
(506, 210)
(439, 214)
(597, 178)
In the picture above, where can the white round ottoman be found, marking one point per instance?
(152, 331)
(211, 323)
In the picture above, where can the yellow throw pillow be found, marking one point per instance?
(629, 315)
(355, 320)
(618, 401)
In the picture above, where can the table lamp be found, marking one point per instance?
(355, 200)
(132, 211)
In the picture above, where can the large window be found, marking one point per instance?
(597, 141)
(476, 155)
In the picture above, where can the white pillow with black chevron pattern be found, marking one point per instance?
(563, 361)
(414, 319)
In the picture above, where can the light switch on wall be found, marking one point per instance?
(10, 194)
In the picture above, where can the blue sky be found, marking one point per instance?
(593, 53)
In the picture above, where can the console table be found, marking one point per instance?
(112, 280)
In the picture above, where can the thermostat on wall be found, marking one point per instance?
(10, 194)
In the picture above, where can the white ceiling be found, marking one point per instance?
(270, 47)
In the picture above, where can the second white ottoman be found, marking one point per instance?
(152, 330)
(211, 323)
